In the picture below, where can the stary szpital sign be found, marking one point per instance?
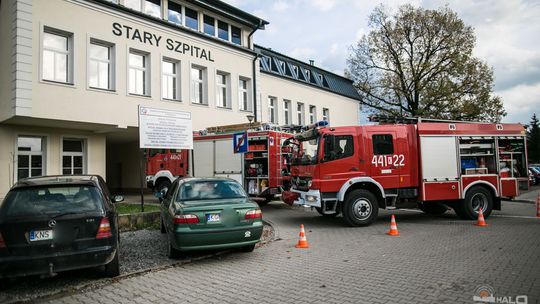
(164, 129)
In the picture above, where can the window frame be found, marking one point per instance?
(68, 53)
(111, 62)
(203, 82)
(326, 114)
(184, 18)
(146, 72)
(72, 155)
(245, 92)
(312, 114)
(226, 104)
(287, 111)
(42, 153)
(300, 115)
(176, 75)
(272, 110)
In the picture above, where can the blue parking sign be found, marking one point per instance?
(240, 142)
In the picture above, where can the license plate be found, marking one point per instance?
(212, 217)
(41, 235)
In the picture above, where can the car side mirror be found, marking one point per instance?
(118, 198)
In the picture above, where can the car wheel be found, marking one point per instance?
(476, 198)
(113, 268)
(164, 185)
(162, 225)
(172, 252)
(249, 248)
(433, 208)
(360, 208)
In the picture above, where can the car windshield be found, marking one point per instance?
(51, 200)
(210, 189)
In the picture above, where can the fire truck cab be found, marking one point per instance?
(430, 165)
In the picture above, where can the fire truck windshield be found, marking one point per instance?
(304, 152)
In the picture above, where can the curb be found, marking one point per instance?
(521, 201)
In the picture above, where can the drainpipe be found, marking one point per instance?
(254, 64)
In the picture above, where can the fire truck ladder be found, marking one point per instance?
(387, 119)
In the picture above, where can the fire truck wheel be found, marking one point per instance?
(433, 208)
(360, 208)
(164, 185)
(476, 198)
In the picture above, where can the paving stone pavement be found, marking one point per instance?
(437, 259)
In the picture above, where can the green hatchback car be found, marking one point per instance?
(209, 213)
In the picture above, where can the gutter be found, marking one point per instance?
(254, 70)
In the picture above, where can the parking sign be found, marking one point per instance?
(240, 143)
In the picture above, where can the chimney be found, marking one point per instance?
(311, 62)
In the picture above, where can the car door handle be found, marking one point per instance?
(353, 169)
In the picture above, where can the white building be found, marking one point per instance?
(73, 73)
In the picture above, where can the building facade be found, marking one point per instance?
(73, 73)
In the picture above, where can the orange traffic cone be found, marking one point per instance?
(302, 242)
(481, 221)
(538, 206)
(393, 227)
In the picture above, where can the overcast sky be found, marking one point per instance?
(507, 31)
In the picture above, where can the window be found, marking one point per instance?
(222, 90)
(272, 117)
(138, 73)
(343, 146)
(192, 19)
(57, 56)
(149, 7)
(198, 85)
(326, 114)
(100, 66)
(243, 91)
(300, 113)
(382, 144)
(175, 13)
(209, 25)
(223, 30)
(30, 158)
(72, 156)
(312, 114)
(236, 35)
(286, 112)
(170, 79)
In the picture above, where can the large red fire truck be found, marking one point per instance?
(258, 170)
(430, 165)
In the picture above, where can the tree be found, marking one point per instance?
(419, 62)
(533, 140)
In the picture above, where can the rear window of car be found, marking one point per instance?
(51, 200)
(203, 190)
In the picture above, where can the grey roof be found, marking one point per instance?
(277, 64)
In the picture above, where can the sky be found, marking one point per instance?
(507, 32)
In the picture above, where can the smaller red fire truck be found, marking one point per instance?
(258, 170)
(430, 165)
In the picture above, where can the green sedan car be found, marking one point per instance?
(209, 213)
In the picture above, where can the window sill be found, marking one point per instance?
(140, 96)
(224, 108)
(171, 100)
(108, 91)
(199, 104)
(246, 111)
(58, 83)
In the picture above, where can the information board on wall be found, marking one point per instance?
(165, 129)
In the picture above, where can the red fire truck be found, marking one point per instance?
(258, 170)
(430, 165)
